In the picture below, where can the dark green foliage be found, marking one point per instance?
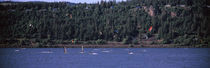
(75, 41)
(131, 45)
(127, 40)
(107, 21)
(100, 41)
(165, 41)
(89, 42)
(135, 42)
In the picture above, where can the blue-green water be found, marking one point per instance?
(105, 58)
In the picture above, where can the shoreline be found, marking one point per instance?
(108, 46)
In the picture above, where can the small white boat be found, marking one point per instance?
(17, 50)
(130, 53)
(94, 53)
(82, 51)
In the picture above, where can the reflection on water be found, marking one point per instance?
(105, 58)
(144, 50)
(106, 51)
(46, 52)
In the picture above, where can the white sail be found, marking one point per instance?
(82, 50)
(65, 50)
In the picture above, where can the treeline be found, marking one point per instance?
(174, 21)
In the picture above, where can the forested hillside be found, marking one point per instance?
(184, 22)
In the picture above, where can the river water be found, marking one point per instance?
(105, 58)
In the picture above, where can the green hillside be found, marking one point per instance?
(183, 22)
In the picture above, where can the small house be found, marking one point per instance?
(182, 6)
(208, 6)
(168, 6)
(86, 7)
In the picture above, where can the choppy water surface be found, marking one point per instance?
(105, 58)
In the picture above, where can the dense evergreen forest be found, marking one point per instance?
(184, 22)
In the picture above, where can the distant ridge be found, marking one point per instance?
(70, 3)
(21, 1)
(76, 2)
(38, 2)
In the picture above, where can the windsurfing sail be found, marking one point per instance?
(65, 51)
(72, 41)
(82, 50)
(150, 29)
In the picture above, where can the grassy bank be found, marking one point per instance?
(151, 42)
(94, 44)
